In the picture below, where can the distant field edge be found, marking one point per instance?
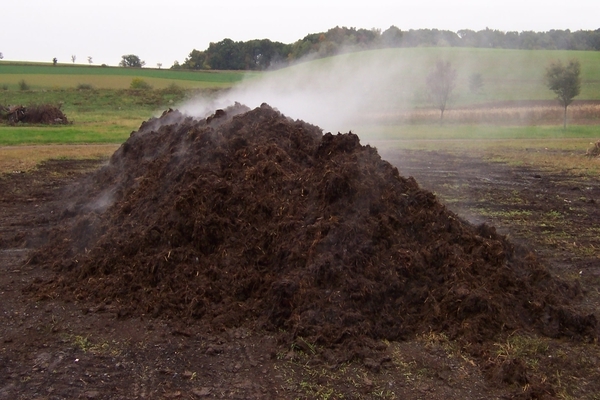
(61, 69)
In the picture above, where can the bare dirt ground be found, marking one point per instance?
(53, 349)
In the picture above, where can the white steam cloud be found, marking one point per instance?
(335, 93)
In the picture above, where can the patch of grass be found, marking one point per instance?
(318, 381)
(527, 348)
(557, 154)
(553, 215)
(97, 116)
(64, 134)
(85, 86)
(139, 84)
(305, 346)
(86, 345)
(557, 239)
(513, 215)
(24, 158)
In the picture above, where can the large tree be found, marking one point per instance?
(131, 60)
(440, 83)
(564, 80)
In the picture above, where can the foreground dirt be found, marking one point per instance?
(53, 349)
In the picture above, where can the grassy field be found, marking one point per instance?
(47, 76)
(507, 75)
(107, 110)
(96, 116)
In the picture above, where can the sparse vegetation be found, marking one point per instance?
(565, 82)
(475, 82)
(440, 84)
(139, 84)
(85, 86)
(594, 150)
(23, 86)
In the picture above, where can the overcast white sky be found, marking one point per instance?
(165, 31)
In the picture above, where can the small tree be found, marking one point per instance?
(90, 61)
(73, 58)
(159, 65)
(131, 61)
(440, 83)
(564, 80)
(54, 61)
(140, 84)
(1, 56)
(475, 82)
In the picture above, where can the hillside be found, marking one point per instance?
(345, 91)
(507, 74)
(264, 54)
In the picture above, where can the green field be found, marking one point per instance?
(109, 111)
(96, 116)
(62, 76)
(508, 75)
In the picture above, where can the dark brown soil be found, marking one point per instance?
(222, 258)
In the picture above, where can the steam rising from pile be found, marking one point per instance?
(331, 93)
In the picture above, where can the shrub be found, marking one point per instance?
(173, 88)
(4, 86)
(85, 86)
(594, 151)
(172, 94)
(139, 83)
(23, 85)
(475, 82)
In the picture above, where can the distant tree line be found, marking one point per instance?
(264, 54)
(227, 54)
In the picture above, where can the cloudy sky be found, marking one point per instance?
(165, 31)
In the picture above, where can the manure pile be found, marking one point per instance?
(47, 114)
(248, 218)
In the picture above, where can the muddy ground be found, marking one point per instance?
(54, 349)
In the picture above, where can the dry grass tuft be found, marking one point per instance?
(24, 158)
(594, 151)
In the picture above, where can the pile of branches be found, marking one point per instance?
(47, 114)
(594, 151)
